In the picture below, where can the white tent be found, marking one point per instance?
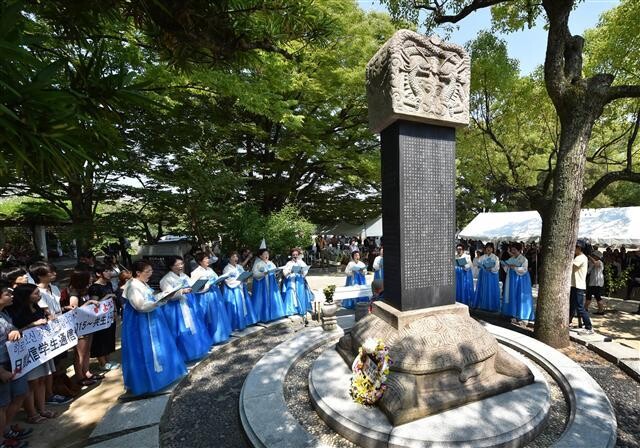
(373, 227)
(504, 226)
(611, 226)
(602, 226)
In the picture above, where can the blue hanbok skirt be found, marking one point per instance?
(518, 300)
(239, 307)
(487, 295)
(297, 295)
(215, 316)
(150, 359)
(464, 285)
(193, 343)
(267, 300)
(379, 274)
(357, 278)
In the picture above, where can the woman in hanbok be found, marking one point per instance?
(236, 298)
(149, 361)
(464, 276)
(209, 305)
(186, 326)
(267, 300)
(517, 298)
(487, 295)
(355, 271)
(378, 266)
(297, 294)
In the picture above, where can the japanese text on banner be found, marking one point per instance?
(90, 318)
(42, 343)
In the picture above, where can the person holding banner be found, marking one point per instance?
(79, 283)
(103, 342)
(297, 294)
(12, 391)
(356, 271)
(267, 299)
(235, 295)
(149, 361)
(189, 331)
(26, 313)
(209, 303)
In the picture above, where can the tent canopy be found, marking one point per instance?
(602, 226)
(372, 227)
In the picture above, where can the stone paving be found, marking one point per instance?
(83, 416)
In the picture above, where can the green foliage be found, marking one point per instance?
(329, 291)
(286, 229)
(615, 283)
(34, 211)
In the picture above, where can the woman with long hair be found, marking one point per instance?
(26, 313)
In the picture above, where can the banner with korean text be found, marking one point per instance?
(44, 342)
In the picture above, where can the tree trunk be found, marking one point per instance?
(81, 217)
(559, 232)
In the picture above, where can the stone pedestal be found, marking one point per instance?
(328, 318)
(442, 358)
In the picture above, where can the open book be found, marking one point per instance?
(220, 279)
(462, 262)
(200, 285)
(358, 268)
(511, 262)
(168, 295)
(244, 276)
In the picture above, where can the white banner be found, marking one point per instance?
(90, 318)
(40, 344)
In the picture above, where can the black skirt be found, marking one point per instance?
(104, 341)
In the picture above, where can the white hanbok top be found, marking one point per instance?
(140, 296)
(260, 268)
(200, 272)
(50, 300)
(494, 257)
(378, 263)
(523, 265)
(466, 257)
(287, 270)
(172, 281)
(349, 269)
(233, 271)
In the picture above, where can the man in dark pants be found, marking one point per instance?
(579, 287)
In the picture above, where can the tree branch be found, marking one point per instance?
(475, 5)
(623, 91)
(615, 176)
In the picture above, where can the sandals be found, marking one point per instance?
(36, 419)
(96, 376)
(87, 382)
(48, 414)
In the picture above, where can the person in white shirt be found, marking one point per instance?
(596, 282)
(579, 269)
(44, 274)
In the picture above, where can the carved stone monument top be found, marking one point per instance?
(418, 78)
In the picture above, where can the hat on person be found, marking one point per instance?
(581, 244)
(597, 254)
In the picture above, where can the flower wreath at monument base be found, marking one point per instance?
(370, 370)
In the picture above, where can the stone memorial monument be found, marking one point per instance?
(418, 90)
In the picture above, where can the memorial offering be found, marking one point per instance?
(370, 370)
